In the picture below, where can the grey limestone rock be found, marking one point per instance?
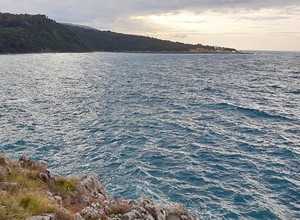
(49, 194)
(5, 170)
(46, 216)
(89, 212)
(77, 216)
(149, 217)
(131, 215)
(176, 212)
(84, 199)
(167, 211)
(58, 199)
(144, 209)
(46, 176)
(8, 185)
(91, 185)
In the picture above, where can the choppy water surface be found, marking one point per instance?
(219, 133)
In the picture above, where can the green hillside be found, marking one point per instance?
(36, 33)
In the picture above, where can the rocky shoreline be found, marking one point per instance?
(76, 198)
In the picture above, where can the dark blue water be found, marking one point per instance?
(219, 133)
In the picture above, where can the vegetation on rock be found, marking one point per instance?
(29, 191)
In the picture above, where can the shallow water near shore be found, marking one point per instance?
(218, 133)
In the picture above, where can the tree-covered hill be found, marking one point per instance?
(26, 33)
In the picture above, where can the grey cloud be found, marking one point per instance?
(285, 33)
(180, 35)
(194, 22)
(265, 18)
(108, 12)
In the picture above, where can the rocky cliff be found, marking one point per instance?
(29, 191)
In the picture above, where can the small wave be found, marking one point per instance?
(295, 77)
(261, 214)
(193, 68)
(276, 86)
(294, 74)
(211, 90)
(251, 111)
(17, 100)
(296, 92)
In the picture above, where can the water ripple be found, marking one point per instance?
(218, 133)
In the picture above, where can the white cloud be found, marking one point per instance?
(268, 28)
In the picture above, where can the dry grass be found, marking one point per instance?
(29, 196)
(63, 185)
(22, 204)
(25, 178)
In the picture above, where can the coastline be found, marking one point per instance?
(138, 52)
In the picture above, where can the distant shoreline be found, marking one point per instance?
(24, 33)
(138, 52)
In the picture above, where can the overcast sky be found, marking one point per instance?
(242, 24)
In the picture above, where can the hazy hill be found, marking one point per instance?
(26, 33)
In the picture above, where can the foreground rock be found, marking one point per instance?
(145, 209)
(78, 197)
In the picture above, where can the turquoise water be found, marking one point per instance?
(219, 133)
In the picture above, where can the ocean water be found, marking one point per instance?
(218, 133)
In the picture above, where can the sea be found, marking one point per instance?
(219, 133)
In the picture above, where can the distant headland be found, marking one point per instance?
(24, 33)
